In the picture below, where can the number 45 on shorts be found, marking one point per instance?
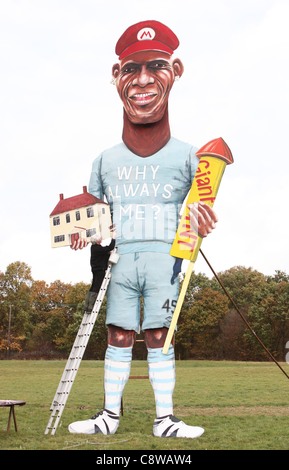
(170, 305)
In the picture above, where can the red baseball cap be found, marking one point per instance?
(147, 35)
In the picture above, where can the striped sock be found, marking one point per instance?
(116, 373)
(162, 377)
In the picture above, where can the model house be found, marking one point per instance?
(81, 216)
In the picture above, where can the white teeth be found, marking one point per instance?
(143, 95)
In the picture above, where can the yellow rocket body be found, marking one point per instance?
(204, 188)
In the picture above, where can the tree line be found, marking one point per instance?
(40, 320)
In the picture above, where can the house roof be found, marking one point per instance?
(75, 202)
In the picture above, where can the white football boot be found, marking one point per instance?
(170, 426)
(104, 422)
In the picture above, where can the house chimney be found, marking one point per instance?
(61, 197)
(84, 189)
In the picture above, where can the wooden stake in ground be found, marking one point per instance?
(214, 157)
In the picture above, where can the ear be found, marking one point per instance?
(178, 67)
(115, 70)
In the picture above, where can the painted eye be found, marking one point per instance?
(128, 68)
(159, 65)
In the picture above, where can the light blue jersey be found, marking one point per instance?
(145, 194)
(145, 197)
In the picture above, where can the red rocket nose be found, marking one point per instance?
(217, 148)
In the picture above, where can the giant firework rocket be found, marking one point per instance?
(214, 157)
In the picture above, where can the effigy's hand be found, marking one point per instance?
(203, 218)
(79, 244)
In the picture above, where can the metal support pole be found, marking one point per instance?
(9, 331)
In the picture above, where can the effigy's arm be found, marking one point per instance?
(213, 159)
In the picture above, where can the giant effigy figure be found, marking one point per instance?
(145, 179)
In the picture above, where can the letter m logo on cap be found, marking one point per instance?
(146, 34)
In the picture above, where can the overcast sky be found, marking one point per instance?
(58, 111)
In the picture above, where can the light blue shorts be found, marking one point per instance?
(138, 275)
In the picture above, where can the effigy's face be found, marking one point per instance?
(144, 81)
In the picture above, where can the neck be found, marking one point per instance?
(146, 139)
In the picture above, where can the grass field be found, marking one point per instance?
(241, 405)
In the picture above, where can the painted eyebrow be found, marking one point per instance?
(148, 63)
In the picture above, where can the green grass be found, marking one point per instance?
(241, 405)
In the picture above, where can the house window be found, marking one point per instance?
(77, 215)
(103, 210)
(56, 220)
(90, 212)
(90, 232)
(67, 218)
(59, 238)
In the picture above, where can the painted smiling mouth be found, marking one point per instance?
(142, 98)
